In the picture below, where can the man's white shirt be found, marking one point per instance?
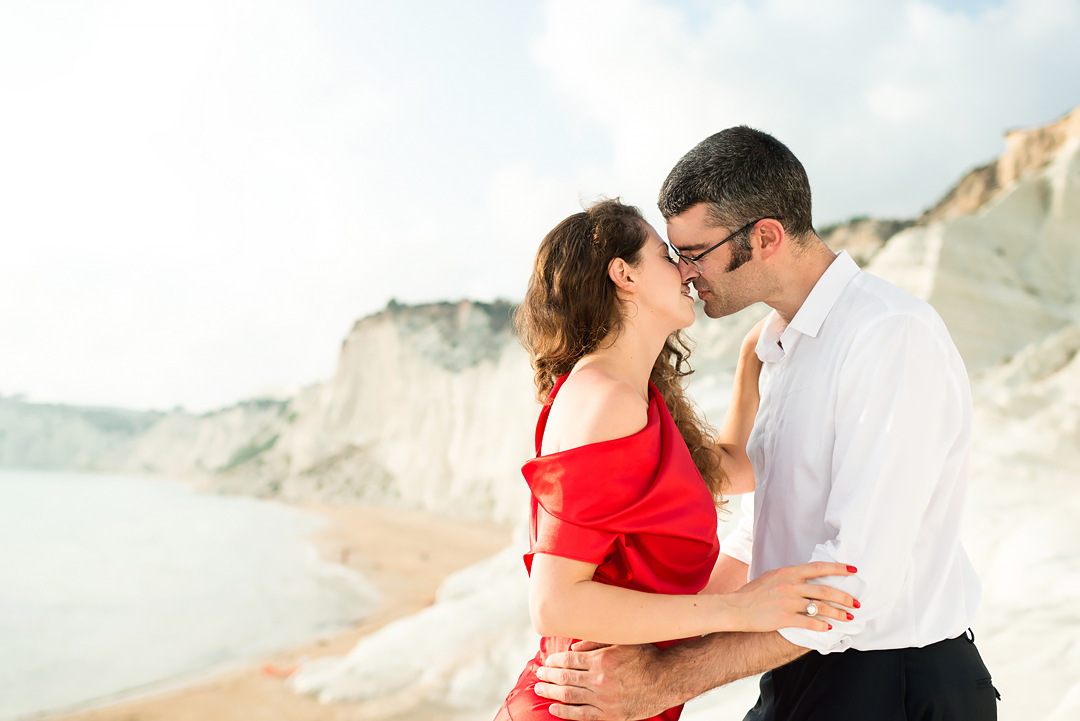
(860, 455)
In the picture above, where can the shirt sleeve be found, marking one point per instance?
(739, 542)
(902, 413)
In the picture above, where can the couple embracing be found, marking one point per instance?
(850, 418)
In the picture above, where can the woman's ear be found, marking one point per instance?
(622, 275)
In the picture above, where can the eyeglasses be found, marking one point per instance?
(693, 260)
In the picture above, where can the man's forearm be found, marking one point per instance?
(690, 669)
(637, 682)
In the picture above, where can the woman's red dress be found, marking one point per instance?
(635, 506)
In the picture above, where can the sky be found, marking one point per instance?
(198, 198)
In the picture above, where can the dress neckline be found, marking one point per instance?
(655, 400)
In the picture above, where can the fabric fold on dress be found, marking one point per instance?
(642, 491)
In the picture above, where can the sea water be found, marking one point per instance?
(111, 584)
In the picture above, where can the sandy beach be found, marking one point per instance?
(405, 554)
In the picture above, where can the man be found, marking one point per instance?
(860, 454)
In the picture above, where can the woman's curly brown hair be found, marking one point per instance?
(571, 305)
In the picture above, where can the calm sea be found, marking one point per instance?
(112, 584)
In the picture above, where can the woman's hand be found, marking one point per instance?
(781, 599)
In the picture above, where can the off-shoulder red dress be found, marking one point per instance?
(635, 506)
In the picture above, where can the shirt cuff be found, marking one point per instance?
(840, 637)
(833, 641)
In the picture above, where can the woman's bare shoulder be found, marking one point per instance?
(593, 406)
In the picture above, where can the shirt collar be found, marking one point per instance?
(824, 295)
(812, 313)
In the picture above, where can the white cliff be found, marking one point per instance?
(1007, 274)
(430, 407)
(196, 447)
(862, 238)
(53, 437)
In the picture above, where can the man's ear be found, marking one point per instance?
(622, 275)
(770, 236)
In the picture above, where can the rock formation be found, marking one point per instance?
(862, 238)
(55, 437)
(430, 407)
(1007, 273)
(1026, 152)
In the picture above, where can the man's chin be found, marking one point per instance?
(715, 310)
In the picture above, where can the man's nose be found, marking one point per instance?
(687, 270)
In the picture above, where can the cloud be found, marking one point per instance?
(201, 196)
(174, 188)
(886, 103)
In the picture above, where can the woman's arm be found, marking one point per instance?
(565, 601)
(739, 419)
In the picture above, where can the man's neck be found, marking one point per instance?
(798, 277)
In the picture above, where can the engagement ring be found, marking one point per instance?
(811, 609)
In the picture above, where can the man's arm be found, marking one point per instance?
(728, 575)
(902, 428)
(624, 683)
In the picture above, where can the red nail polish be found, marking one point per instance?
(852, 569)
(830, 627)
(856, 604)
(850, 617)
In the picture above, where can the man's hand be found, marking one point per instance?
(592, 682)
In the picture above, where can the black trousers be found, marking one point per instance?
(945, 681)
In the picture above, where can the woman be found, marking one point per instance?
(626, 477)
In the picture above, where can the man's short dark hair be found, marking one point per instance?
(744, 174)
